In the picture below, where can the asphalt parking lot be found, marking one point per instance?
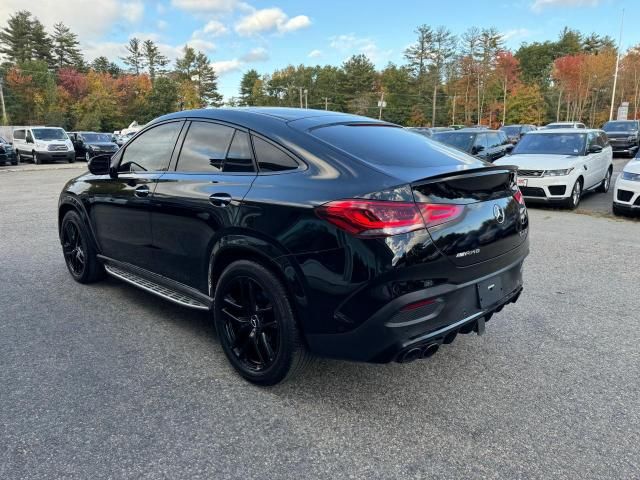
(106, 381)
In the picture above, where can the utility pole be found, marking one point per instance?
(326, 103)
(381, 104)
(306, 100)
(453, 108)
(4, 111)
(615, 75)
(300, 89)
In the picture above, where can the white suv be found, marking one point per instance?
(40, 144)
(626, 195)
(557, 166)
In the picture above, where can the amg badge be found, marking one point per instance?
(468, 252)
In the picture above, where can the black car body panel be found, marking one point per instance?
(92, 143)
(353, 295)
(624, 135)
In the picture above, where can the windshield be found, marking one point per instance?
(511, 131)
(620, 126)
(49, 134)
(96, 137)
(552, 144)
(2, 140)
(460, 140)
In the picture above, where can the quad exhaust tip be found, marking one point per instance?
(418, 352)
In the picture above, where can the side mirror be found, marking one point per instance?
(595, 149)
(29, 140)
(100, 165)
(509, 147)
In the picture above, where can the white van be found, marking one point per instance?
(41, 144)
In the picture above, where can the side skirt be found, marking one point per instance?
(157, 284)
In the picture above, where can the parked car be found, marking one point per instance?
(456, 126)
(624, 136)
(302, 231)
(7, 153)
(558, 166)
(626, 194)
(424, 131)
(122, 139)
(90, 144)
(440, 129)
(43, 144)
(515, 132)
(565, 125)
(488, 145)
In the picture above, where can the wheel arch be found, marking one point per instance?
(69, 203)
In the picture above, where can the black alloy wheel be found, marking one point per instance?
(256, 325)
(79, 253)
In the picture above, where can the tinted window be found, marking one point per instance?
(96, 137)
(18, 134)
(551, 143)
(239, 158)
(504, 140)
(272, 159)
(205, 147)
(494, 140)
(480, 144)
(604, 140)
(461, 140)
(151, 150)
(512, 130)
(628, 126)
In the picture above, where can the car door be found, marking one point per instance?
(120, 208)
(592, 161)
(199, 199)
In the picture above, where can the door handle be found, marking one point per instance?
(141, 191)
(220, 199)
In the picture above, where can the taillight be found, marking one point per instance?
(518, 196)
(377, 218)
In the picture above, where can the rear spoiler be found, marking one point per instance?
(474, 172)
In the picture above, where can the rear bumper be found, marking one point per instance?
(444, 310)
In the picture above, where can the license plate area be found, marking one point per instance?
(490, 291)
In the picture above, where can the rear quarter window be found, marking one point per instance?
(385, 145)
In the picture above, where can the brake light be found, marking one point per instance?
(518, 196)
(377, 218)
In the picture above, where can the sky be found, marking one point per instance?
(267, 35)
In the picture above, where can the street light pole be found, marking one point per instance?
(615, 75)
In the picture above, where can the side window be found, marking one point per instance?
(270, 158)
(205, 147)
(239, 158)
(18, 134)
(151, 151)
(504, 140)
(29, 136)
(603, 140)
(493, 140)
(479, 144)
(592, 139)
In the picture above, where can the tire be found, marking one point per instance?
(606, 182)
(36, 159)
(78, 250)
(256, 325)
(574, 199)
(87, 157)
(16, 161)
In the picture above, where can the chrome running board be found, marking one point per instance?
(155, 288)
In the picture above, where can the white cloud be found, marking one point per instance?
(202, 44)
(539, 5)
(315, 54)
(227, 66)
(142, 36)
(350, 43)
(162, 24)
(74, 13)
(270, 20)
(112, 50)
(205, 5)
(215, 28)
(515, 34)
(256, 55)
(132, 11)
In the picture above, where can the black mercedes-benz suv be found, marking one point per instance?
(303, 232)
(90, 144)
(624, 136)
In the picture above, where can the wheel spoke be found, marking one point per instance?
(267, 347)
(256, 345)
(239, 320)
(251, 296)
(240, 348)
(229, 301)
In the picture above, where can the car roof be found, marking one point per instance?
(563, 130)
(235, 113)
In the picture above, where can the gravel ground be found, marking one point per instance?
(106, 381)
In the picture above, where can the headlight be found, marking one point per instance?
(557, 173)
(634, 177)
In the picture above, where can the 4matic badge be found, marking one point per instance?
(467, 253)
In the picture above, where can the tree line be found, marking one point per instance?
(443, 79)
(47, 80)
(468, 79)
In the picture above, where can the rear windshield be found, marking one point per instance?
(461, 140)
(49, 134)
(511, 131)
(552, 144)
(620, 126)
(385, 145)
